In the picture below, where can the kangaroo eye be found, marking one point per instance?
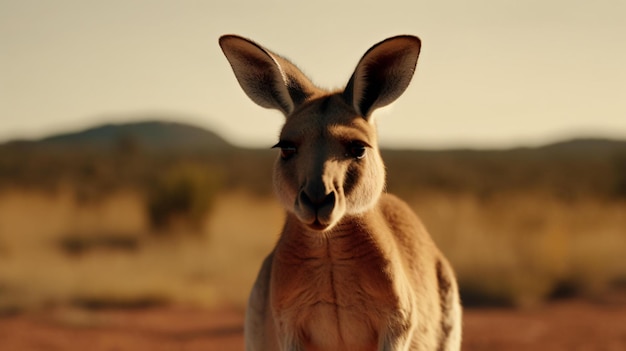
(287, 149)
(287, 152)
(357, 150)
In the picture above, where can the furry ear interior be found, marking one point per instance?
(383, 74)
(268, 79)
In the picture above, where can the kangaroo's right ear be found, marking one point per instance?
(268, 79)
(383, 74)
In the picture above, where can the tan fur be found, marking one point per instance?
(354, 268)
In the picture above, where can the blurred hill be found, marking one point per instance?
(109, 156)
(566, 169)
(116, 155)
(156, 136)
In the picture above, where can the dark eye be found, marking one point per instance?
(357, 150)
(287, 149)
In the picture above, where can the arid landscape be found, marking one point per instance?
(148, 236)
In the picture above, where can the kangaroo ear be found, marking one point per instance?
(383, 74)
(268, 79)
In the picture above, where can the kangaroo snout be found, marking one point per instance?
(316, 203)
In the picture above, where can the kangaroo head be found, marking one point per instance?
(329, 165)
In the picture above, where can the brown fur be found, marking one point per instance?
(354, 268)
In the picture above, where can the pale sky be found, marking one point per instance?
(495, 73)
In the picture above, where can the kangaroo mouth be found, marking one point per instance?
(318, 226)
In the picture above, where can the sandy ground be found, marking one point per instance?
(566, 325)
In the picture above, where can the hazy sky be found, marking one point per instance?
(491, 73)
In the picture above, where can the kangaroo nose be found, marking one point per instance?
(317, 201)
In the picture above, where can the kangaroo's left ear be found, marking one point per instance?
(383, 74)
(269, 80)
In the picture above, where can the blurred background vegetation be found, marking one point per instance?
(155, 213)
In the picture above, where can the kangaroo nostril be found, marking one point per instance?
(317, 202)
(305, 200)
(329, 200)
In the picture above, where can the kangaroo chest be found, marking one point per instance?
(335, 295)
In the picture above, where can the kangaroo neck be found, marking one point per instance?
(351, 239)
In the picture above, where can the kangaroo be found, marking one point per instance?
(354, 268)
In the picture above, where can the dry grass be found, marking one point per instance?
(522, 249)
(518, 249)
(215, 265)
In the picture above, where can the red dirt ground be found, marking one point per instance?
(567, 325)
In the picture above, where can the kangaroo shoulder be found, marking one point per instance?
(406, 226)
(397, 212)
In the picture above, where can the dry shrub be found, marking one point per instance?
(76, 244)
(182, 196)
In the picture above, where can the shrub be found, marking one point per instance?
(182, 195)
(75, 244)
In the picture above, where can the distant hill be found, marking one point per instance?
(115, 155)
(586, 146)
(147, 136)
(155, 135)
